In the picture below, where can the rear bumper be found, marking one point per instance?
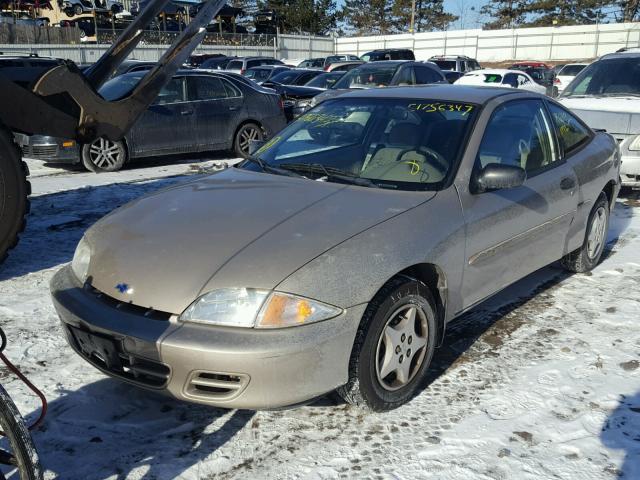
(225, 367)
(48, 149)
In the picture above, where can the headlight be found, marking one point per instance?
(305, 103)
(245, 307)
(634, 146)
(81, 259)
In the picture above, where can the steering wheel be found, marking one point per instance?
(440, 163)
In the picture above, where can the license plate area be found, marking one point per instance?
(99, 348)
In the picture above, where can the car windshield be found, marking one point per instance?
(324, 80)
(492, 78)
(120, 86)
(367, 76)
(571, 70)
(403, 144)
(445, 64)
(608, 77)
(285, 78)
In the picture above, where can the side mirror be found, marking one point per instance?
(496, 176)
(255, 145)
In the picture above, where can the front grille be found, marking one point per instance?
(40, 152)
(106, 352)
(215, 385)
(128, 307)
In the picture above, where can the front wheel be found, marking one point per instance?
(77, 10)
(21, 455)
(246, 134)
(103, 155)
(589, 254)
(14, 192)
(393, 347)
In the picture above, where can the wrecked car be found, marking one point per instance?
(333, 258)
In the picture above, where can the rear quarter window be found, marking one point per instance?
(571, 132)
(234, 65)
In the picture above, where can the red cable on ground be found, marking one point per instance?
(35, 390)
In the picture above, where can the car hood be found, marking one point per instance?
(619, 116)
(330, 93)
(237, 228)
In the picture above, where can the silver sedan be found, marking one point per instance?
(335, 256)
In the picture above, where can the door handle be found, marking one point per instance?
(186, 112)
(567, 183)
(233, 109)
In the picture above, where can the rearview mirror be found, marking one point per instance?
(255, 145)
(496, 176)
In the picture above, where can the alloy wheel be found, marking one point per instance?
(248, 134)
(597, 232)
(106, 154)
(401, 348)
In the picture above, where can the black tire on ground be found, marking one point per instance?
(377, 381)
(244, 135)
(588, 255)
(22, 448)
(77, 9)
(103, 155)
(14, 192)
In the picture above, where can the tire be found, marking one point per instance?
(23, 450)
(589, 254)
(244, 135)
(77, 9)
(380, 378)
(14, 192)
(103, 155)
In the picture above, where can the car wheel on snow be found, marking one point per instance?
(393, 347)
(589, 254)
(246, 134)
(103, 155)
(14, 192)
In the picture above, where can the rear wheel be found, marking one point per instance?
(245, 135)
(17, 452)
(589, 254)
(393, 347)
(14, 192)
(103, 155)
(77, 10)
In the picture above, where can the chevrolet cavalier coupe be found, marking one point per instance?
(334, 257)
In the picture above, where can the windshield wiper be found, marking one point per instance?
(332, 173)
(271, 169)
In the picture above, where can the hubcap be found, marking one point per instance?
(248, 134)
(105, 153)
(597, 233)
(401, 347)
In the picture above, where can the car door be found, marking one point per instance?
(217, 105)
(526, 83)
(166, 125)
(513, 232)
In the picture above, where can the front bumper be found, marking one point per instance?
(220, 366)
(48, 149)
(630, 171)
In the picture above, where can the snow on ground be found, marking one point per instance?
(542, 381)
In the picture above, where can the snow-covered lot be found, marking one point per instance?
(542, 381)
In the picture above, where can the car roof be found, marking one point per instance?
(624, 53)
(445, 92)
(390, 50)
(382, 63)
(493, 71)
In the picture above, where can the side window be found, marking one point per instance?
(519, 134)
(302, 79)
(232, 90)
(173, 92)
(426, 75)
(253, 63)
(571, 132)
(405, 77)
(511, 80)
(205, 88)
(522, 80)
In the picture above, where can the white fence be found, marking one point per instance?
(546, 43)
(291, 47)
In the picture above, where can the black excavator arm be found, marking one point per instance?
(64, 101)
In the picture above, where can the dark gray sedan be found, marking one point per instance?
(197, 111)
(356, 234)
